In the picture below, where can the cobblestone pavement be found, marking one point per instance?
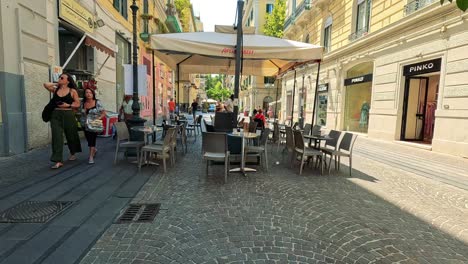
(379, 215)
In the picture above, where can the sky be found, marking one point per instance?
(215, 12)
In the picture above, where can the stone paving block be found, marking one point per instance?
(279, 217)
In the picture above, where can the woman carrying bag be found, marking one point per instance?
(92, 113)
(62, 120)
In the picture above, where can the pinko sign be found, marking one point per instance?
(233, 51)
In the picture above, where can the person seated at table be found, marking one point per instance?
(240, 123)
(260, 119)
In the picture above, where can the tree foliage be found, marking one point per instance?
(218, 92)
(274, 22)
(214, 87)
(462, 4)
(183, 9)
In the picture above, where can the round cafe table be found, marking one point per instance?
(244, 136)
(147, 131)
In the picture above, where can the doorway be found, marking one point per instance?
(420, 103)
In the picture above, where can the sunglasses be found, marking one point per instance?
(63, 78)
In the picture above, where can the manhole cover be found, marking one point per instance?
(33, 212)
(139, 213)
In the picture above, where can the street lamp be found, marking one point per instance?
(136, 120)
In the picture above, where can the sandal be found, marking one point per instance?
(72, 158)
(57, 165)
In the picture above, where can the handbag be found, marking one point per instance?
(94, 125)
(47, 111)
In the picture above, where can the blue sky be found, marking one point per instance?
(215, 12)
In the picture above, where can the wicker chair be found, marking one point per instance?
(301, 150)
(123, 134)
(215, 148)
(163, 150)
(345, 149)
(261, 149)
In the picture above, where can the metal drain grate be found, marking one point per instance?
(139, 213)
(33, 212)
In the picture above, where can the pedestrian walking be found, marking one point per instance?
(194, 109)
(63, 119)
(172, 107)
(91, 110)
(126, 111)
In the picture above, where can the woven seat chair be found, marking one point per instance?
(304, 152)
(123, 134)
(163, 150)
(345, 149)
(215, 148)
(261, 149)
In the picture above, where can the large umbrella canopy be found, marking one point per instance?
(213, 52)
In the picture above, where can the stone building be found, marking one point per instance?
(89, 39)
(392, 70)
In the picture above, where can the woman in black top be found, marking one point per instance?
(63, 119)
(92, 110)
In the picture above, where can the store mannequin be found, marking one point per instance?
(364, 120)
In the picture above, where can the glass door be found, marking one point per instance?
(414, 108)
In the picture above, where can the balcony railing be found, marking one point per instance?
(416, 5)
(305, 5)
(358, 34)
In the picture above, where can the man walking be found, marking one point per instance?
(194, 109)
(172, 107)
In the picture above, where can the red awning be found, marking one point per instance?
(92, 42)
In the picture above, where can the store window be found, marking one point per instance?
(122, 7)
(327, 34)
(358, 97)
(269, 8)
(322, 104)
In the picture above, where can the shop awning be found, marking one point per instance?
(92, 42)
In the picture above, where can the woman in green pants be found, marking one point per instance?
(63, 119)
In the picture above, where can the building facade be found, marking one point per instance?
(89, 39)
(391, 70)
(256, 91)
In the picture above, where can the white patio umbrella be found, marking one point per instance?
(213, 52)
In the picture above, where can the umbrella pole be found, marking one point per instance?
(154, 90)
(276, 104)
(240, 7)
(293, 96)
(178, 84)
(316, 92)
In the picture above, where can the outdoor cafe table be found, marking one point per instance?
(317, 139)
(147, 131)
(244, 135)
